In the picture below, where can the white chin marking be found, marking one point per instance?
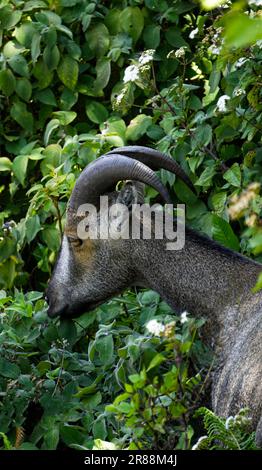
(63, 263)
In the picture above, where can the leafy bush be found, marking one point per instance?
(233, 433)
(56, 379)
(76, 79)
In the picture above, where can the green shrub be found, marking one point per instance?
(76, 79)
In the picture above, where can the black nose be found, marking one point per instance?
(55, 311)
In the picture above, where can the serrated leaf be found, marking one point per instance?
(202, 136)
(206, 177)
(68, 72)
(233, 175)
(9, 369)
(105, 348)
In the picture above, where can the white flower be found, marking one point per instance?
(131, 74)
(120, 98)
(214, 49)
(240, 62)
(257, 3)
(202, 438)
(184, 317)
(180, 52)
(146, 56)
(193, 33)
(238, 91)
(221, 103)
(155, 327)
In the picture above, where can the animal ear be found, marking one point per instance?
(119, 215)
(131, 193)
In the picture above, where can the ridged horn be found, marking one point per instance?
(100, 176)
(154, 160)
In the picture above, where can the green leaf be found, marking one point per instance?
(68, 72)
(151, 36)
(20, 114)
(33, 225)
(103, 445)
(105, 348)
(51, 438)
(214, 80)
(19, 167)
(68, 99)
(96, 112)
(202, 136)
(51, 126)
(7, 82)
(9, 17)
(35, 47)
(51, 56)
(103, 71)
(46, 96)
(131, 21)
(19, 65)
(67, 330)
(24, 88)
(99, 429)
(233, 175)
(219, 201)
(24, 33)
(241, 30)
(5, 164)
(71, 435)
(156, 361)
(65, 117)
(223, 233)
(43, 74)
(205, 179)
(9, 369)
(98, 39)
(138, 127)
(174, 38)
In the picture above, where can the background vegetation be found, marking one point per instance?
(77, 78)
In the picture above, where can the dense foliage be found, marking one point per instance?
(78, 78)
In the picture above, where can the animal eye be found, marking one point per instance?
(75, 241)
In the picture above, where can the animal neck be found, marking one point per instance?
(203, 278)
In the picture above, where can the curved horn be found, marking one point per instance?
(100, 175)
(155, 160)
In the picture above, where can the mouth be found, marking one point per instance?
(73, 311)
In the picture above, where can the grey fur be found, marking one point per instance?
(203, 278)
